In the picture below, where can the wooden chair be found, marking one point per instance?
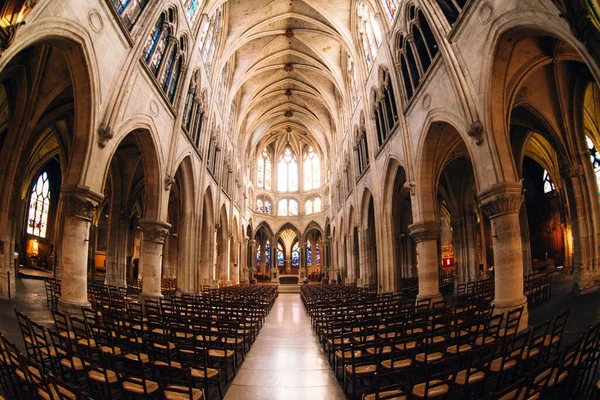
(176, 383)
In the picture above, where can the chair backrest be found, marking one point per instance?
(174, 380)
(513, 319)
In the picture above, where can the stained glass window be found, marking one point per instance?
(130, 10)
(392, 7)
(279, 255)
(282, 208)
(318, 255)
(370, 33)
(263, 204)
(595, 158)
(295, 255)
(258, 256)
(156, 45)
(211, 40)
(191, 8)
(263, 173)
(287, 171)
(313, 205)
(267, 206)
(548, 184)
(293, 207)
(39, 206)
(352, 81)
(312, 170)
(268, 253)
(287, 207)
(308, 253)
(259, 205)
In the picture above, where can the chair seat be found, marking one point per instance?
(454, 349)
(461, 333)
(398, 364)
(437, 339)
(170, 345)
(53, 395)
(406, 346)
(551, 340)
(175, 364)
(507, 332)
(553, 378)
(362, 369)
(111, 376)
(480, 341)
(347, 354)
(197, 394)
(432, 392)
(496, 365)
(69, 335)
(385, 350)
(142, 357)
(87, 342)
(136, 386)
(395, 394)
(461, 377)
(220, 353)
(338, 341)
(111, 350)
(76, 363)
(199, 373)
(429, 356)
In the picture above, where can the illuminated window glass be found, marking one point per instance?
(191, 8)
(280, 255)
(39, 206)
(287, 171)
(295, 255)
(392, 8)
(259, 205)
(548, 184)
(595, 159)
(370, 33)
(268, 253)
(313, 205)
(312, 170)
(263, 173)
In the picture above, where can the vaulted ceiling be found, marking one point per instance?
(287, 59)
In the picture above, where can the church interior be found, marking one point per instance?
(299, 199)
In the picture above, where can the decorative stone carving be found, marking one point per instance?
(502, 198)
(288, 92)
(288, 67)
(169, 181)
(411, 187)
(288, 129)
(289, 114)
(154, 231)
(476, 132)
(425, 230)
(572, 171)
(106, 133)
(80, 202)
(289, 33)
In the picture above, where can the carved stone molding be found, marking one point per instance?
(425, 230)
(154, 231)
(411, 187)
(476, 132)
(169, 181)
(288, 67)
(572, 171)
(80, 202)
(501, 199)
(106, 133)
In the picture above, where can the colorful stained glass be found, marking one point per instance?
(268, 253)
(293, 207)
(295, 255)
(308, 253)
(259, 205)
(392, 8)
(318, 255)
(258, 256)
(595, 159)
(370, 31)
(280, 257)
(150, 45)
(191, 8)
(39, 206)
(263, 172)
(352, 81)
(268, 206)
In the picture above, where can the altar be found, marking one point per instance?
(288, 279)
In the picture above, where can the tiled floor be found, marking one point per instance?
(287, 361)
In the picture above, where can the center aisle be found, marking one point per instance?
(287, 360)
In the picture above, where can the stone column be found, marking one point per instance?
(78, 207)
(501, 203)
(324, 255)
(251, 267)
(426, 234)
(274, 268)
(154, 234)
(302, 269)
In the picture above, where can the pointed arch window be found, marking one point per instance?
(370, 34)
(318, 254)
(171, 73)
(308, 253)
(287, 207)
(39, 206)
(548, 184)
(268, 253)
(209, 47)
(129, 10)
(392, 8)
(258, 249)
(313, 205)
(221, 88)
(191, 8)
(264, 170)
(352, 82)
(156, 45)
(295, 255)
(287, 171)
(451, 9)
(263, 204)
(312, 170)
(595, 159)
(280, 256)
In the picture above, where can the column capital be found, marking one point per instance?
(154, 230)
(571, 171)
(501, 199)
(80, 202)
(425, 230)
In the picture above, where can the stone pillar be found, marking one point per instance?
(302, 269)
(78, 207)
(274, 268)
(501, 203)
(153, 239)
(325, 255)
(426, 234)
(251, 267)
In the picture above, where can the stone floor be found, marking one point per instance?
(287, 361)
